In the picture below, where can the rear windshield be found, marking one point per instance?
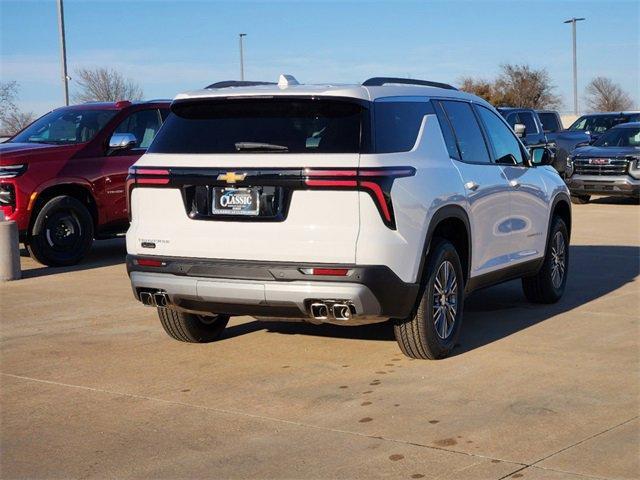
(287, 125)
(620, 137)
(549, 122)
(597, 123)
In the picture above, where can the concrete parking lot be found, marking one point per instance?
(91, 387)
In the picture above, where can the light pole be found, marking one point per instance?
(241, 35)
(573, 22)
(63, 52)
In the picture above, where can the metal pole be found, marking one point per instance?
(241, 35)
(63, 52)
(575, 70)
(573, 22)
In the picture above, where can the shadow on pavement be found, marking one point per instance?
(103, 254)
(499, 311)
(615, 200)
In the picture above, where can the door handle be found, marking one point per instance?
(514, 184)
(471, 185)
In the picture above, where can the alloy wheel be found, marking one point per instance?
(558, 259)
(445, 299)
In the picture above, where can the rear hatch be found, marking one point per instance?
(251, 179)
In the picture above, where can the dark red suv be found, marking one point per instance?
(62, 179)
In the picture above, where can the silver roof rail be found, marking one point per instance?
(237, 83)
(381, 81)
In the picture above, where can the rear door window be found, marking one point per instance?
(143, 124)
(526, 118)
(397, 123)
(550, 122)
(275, 125)
(469, 137)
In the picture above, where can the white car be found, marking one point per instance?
(347, 204)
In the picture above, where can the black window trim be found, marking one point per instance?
(442, 117)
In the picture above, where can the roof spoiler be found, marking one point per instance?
(238, 83)
(381, 81)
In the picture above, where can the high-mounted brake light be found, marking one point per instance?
(375, 181)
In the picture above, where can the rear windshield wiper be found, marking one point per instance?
(264, 147)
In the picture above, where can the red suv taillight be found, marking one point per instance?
(144, 176)
(377, 182)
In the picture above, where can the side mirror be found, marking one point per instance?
(541, 156)
(122, 141)
(520, 130)
(507, 159)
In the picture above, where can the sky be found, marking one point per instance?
(173, 46)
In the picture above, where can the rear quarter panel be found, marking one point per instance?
(415, 201)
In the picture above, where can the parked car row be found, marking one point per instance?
(62, 179)
(390, 199)
(545, 128)
(589, 165)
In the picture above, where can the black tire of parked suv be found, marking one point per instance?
(192, 328)
(546, 286)
(430, 333)
(580, 199)
(62, 232)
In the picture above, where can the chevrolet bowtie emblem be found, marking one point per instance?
(232, 177)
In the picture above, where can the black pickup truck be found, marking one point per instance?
(543, 127)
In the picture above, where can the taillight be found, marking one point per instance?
(149, 262)
(329, 272)
(375, 181)
(144, 176)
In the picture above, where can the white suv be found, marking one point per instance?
(347, 204)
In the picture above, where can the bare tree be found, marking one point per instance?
(12, 120)
(604, 95)
(523, 86)
(515, 86)
(105, 85)
(8, 94)
(479, 87)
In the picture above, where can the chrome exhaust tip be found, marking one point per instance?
(319, 311)
(161, 299)
(147, 299)
(341, 311)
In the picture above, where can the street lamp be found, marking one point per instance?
(241, 35)
(63, 53)
(573, 22)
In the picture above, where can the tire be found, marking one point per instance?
(428, 334)
(580, 199)
(62, 232)
(192, 328)
(546, 286)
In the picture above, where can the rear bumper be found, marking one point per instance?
(374, 293)
(623, 185)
